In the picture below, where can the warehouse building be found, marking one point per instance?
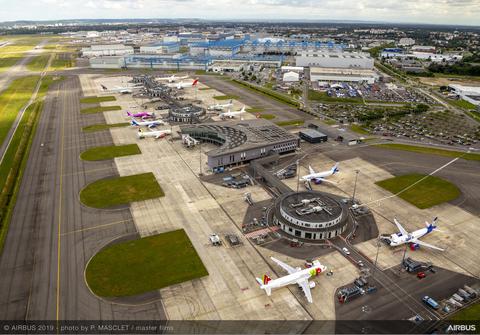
(331, 59)
(239, 142)
(323, 74)
(290, 77)
(312, 136)
(107, 50)
(160, 48)
(216, 48)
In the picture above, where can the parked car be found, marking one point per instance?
(421, 275)
(345, 250)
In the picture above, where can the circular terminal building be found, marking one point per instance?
(186, 114)
(310, 215)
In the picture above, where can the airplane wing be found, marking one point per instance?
(303, 283)
(286, 267)
(312, 171)
(399, 226)
(326, 181)
(427, 245)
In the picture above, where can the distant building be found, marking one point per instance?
(392, 52)
(406, 42)
(423, 48)
(312, 136)
(323, 74)
(334, 59)
(228, 47)
(291, 76)
(107, 50)
(160, 48)
(298, 69)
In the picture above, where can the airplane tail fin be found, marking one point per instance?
(129, 114)
(335, 168)
(263, 284)
(433, 225)
(195, 82)
(243, 109)
(134, 123)
(266, 279)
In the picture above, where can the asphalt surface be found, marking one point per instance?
(250, 98)
(463, 173)
(38, 282)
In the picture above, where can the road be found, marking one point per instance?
(51, 235)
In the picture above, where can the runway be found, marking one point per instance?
(52, 236)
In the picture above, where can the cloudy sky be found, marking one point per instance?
(424, 11)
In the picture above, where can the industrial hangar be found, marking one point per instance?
(242, 141)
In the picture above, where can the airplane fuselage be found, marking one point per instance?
(399, 239)
(294, 277)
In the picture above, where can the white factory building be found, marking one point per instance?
(107, 50)
(334, 59)
(406, 41)
(291, 77)
(324, 74)
(160, 48)
(467, 93)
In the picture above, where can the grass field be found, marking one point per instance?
(99, 127)
(268, 92)
(38, 63)
(290, 123)
(144, 265)
(99, 109)
(12, 100)
(255, 110)
(109, 152)
(225, 97)
(469, 313)
(474, 115)
(358, 129)
(323, 97)
(94, 100)
(433, 151)
(267, 116)
(62, 61)
(427, 193)
(461, 104)
(111, 192)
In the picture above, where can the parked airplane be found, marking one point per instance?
(231, 114)
(143, 115)
(153, 133)
(404, 237)
(295, 276)
(220, 107)
(182, 84)
(149, 124)
(172, 78)
(119, 89)
(319, 177)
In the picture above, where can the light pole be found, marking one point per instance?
(376, 259)
(200, 159)
(298, 174)
(355, 186)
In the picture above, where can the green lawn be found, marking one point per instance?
(144, 265)
(323, 97)
(358, 129)
(13, 99)
(475, 115)
(111, 192)
(109, 152)
(429, 192)
(99, 109)
(433, 151)
(330, 122)
(268, 92)
(99, 127)
(255, 110)
(94, 99)
(470, 313)
(267, 116)
(62, 61)
(462, 104)
(225, 97)
(38, 63)
(290, 123)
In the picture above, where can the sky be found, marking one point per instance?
(461, 12)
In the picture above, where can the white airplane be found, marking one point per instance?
(172, 78)
(149, 124)
(319, 177)
(295, 276)
(156, 134)
(220, 107)
(182, 84)
(404, 237)
(119, 89)
(231, 114)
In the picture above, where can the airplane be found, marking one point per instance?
(231, 114)
(149, 124)
(319, 177)
(404, 237)
(172, 78)
(153, 133)
(182, 84)
(220, 107)
(118, 89)
(143, 115)
(295, 276)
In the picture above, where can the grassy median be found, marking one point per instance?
(144, 265)
(100, 109)
(427, 193)
(290, 123)
(103, 126)
(95, 99)
(109, 152)
(225, 97)
(111, 192)
(38, 63)
(433, 151)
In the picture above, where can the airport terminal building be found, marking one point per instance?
(242, 141)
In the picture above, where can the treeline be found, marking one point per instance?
(466, 67)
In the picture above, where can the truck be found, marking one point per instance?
(430, 302)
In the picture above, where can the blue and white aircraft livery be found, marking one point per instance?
(319, 177)
(404, 237)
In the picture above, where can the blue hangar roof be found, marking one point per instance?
(233, 43)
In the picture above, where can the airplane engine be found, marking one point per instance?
(311, 284)
(317, 181)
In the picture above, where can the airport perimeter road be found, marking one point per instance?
(52, 236)
(254, 99)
